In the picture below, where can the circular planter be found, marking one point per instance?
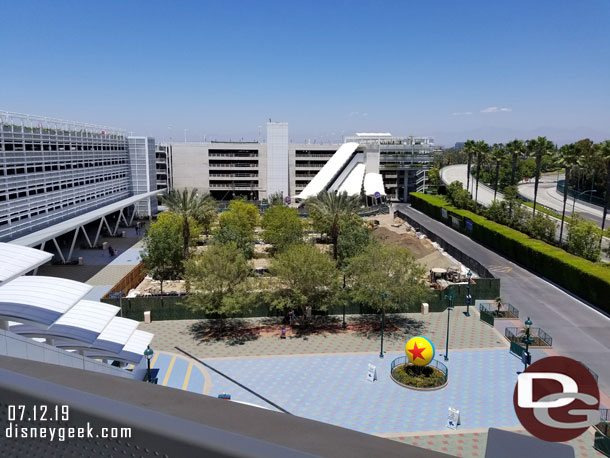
(434, 376)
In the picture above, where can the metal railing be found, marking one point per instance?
(540, 337)
(582, 196)
(413, 381)
(492, 308)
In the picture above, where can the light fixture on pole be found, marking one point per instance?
(383, 296)
(148, 353)
(527, 340)
(468, 296)
(449, 297)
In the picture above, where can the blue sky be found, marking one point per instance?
(483, 69)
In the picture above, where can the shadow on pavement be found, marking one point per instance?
(232, 331)
(398, 327)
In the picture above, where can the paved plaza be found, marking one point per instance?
(322, 376)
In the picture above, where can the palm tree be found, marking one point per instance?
(482, 150)
(539, 147)
(498, 152)
(186, 205)
(517, 148)
(604, 152)
(469, 148)
(332, 207)
(567, 157)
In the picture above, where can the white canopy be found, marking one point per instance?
(39, 300)
(17, 260)
(353, 183)
(373, 182)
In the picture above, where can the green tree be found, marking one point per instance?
(162, 255)
(517, 149)
(470, 150)
(207, 215)
(482, 151)
(241, 214)
(354, 237)
(327, 209)
(306, 277)
(282, 227)
(236, 225)
(187, 205)
(276, 199)
(583, 238)
(498, 153)
(218, 281)
(604, 153)
(230, 233)
(542, 227)
(389, 269)
(567, 157)
(459, 197)
(539, 147)
(434, 176)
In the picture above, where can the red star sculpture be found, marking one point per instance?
(417, 352)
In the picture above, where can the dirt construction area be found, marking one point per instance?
(398, 232)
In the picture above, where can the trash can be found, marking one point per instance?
(147, 318)
(424, 308)
(105, 246)
(123, 234)
(80, 260)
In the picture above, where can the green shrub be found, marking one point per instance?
(586, 279)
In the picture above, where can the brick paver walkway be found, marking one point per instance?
(474, 444)
(465, 332)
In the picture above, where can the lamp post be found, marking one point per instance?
(449, 297)
(580, 194)
(527, 340)
(148, 353)
(468, 296)
(344, 325)
(383, 296)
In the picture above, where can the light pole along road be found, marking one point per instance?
(578, 330)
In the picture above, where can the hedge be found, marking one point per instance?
(586, 279)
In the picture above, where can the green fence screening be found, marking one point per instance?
(487, 317)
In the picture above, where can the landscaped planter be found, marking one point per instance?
(432, 377)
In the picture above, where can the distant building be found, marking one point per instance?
(256, 170)
(458, 145)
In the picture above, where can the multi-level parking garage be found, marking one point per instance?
(52, 170)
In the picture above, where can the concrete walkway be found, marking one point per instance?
(99, 269)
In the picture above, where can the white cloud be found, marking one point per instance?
(462, 113)
(496, 110)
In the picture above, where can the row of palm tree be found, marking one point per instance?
(575, 156)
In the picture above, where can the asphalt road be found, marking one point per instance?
(547, 193)
(578, 330)
(549, 197)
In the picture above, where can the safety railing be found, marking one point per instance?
(538, 338)
(404, 379)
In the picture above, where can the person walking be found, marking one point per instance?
(110, 250)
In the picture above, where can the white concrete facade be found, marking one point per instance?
(277, 158)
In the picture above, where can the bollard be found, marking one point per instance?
(147, 318)
(424, 308)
